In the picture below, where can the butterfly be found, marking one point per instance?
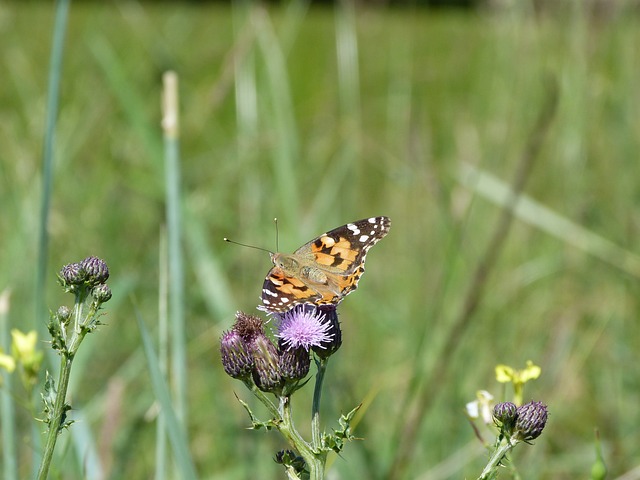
(324, 270)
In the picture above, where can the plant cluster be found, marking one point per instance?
(280, 367)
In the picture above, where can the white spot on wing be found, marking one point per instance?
(353, 228)
(364, 238)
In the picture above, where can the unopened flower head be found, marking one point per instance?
(96, 270)
(505, 414)
(294, 363)
(266, 365)
(303, 326)
(235, 356)
(101, 293)
(330, 320)
(532, 418)
(290, 458)
(72, 274)
(63, 314)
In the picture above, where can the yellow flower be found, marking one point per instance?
(24, 352)
(24, 345)
(7, 362)
(506, 374)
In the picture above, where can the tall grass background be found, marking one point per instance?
(319, 116)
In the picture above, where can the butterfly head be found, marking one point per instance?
(286, 263)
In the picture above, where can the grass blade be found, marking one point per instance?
(53, 97)
(163, 354)
(529, 211)
(176, 433)
(174, 242)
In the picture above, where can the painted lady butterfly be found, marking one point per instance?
(323, 271)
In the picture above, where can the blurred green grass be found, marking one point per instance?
(318, 117)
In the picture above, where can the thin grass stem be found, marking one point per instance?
(163, 354)
(175, 431)
(170, 126)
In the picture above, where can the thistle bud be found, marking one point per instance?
(294, 363)
(96, 270)
(72, 274)
(101, 293)
(333, 332)
(532, 417)
(236, 359)
(289, 457)
(505, 414)
(63, 314)
(266, 371)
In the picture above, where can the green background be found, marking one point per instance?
(319, 116)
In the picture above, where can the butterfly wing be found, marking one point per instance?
(337, 257)
(281, 292)
(343, 250)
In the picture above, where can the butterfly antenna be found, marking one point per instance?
(245, 245)
(275, 221)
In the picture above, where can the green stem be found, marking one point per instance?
(315, 407)
(491, 470)
(273, 410)
(57, 417)
(79, 328)
(314, 460)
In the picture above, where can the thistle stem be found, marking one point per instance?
(315, 407)
(79, 329)
(57, 416)
(273, 410)
(491, 470)
(314, 460)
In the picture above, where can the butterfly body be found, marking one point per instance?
(324, 270)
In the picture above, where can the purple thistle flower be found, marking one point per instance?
(303, 327)
(248, 326)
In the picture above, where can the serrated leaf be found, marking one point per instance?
(255, 423)
(337, 440)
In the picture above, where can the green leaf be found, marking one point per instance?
(337, 440)
(258, 424)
